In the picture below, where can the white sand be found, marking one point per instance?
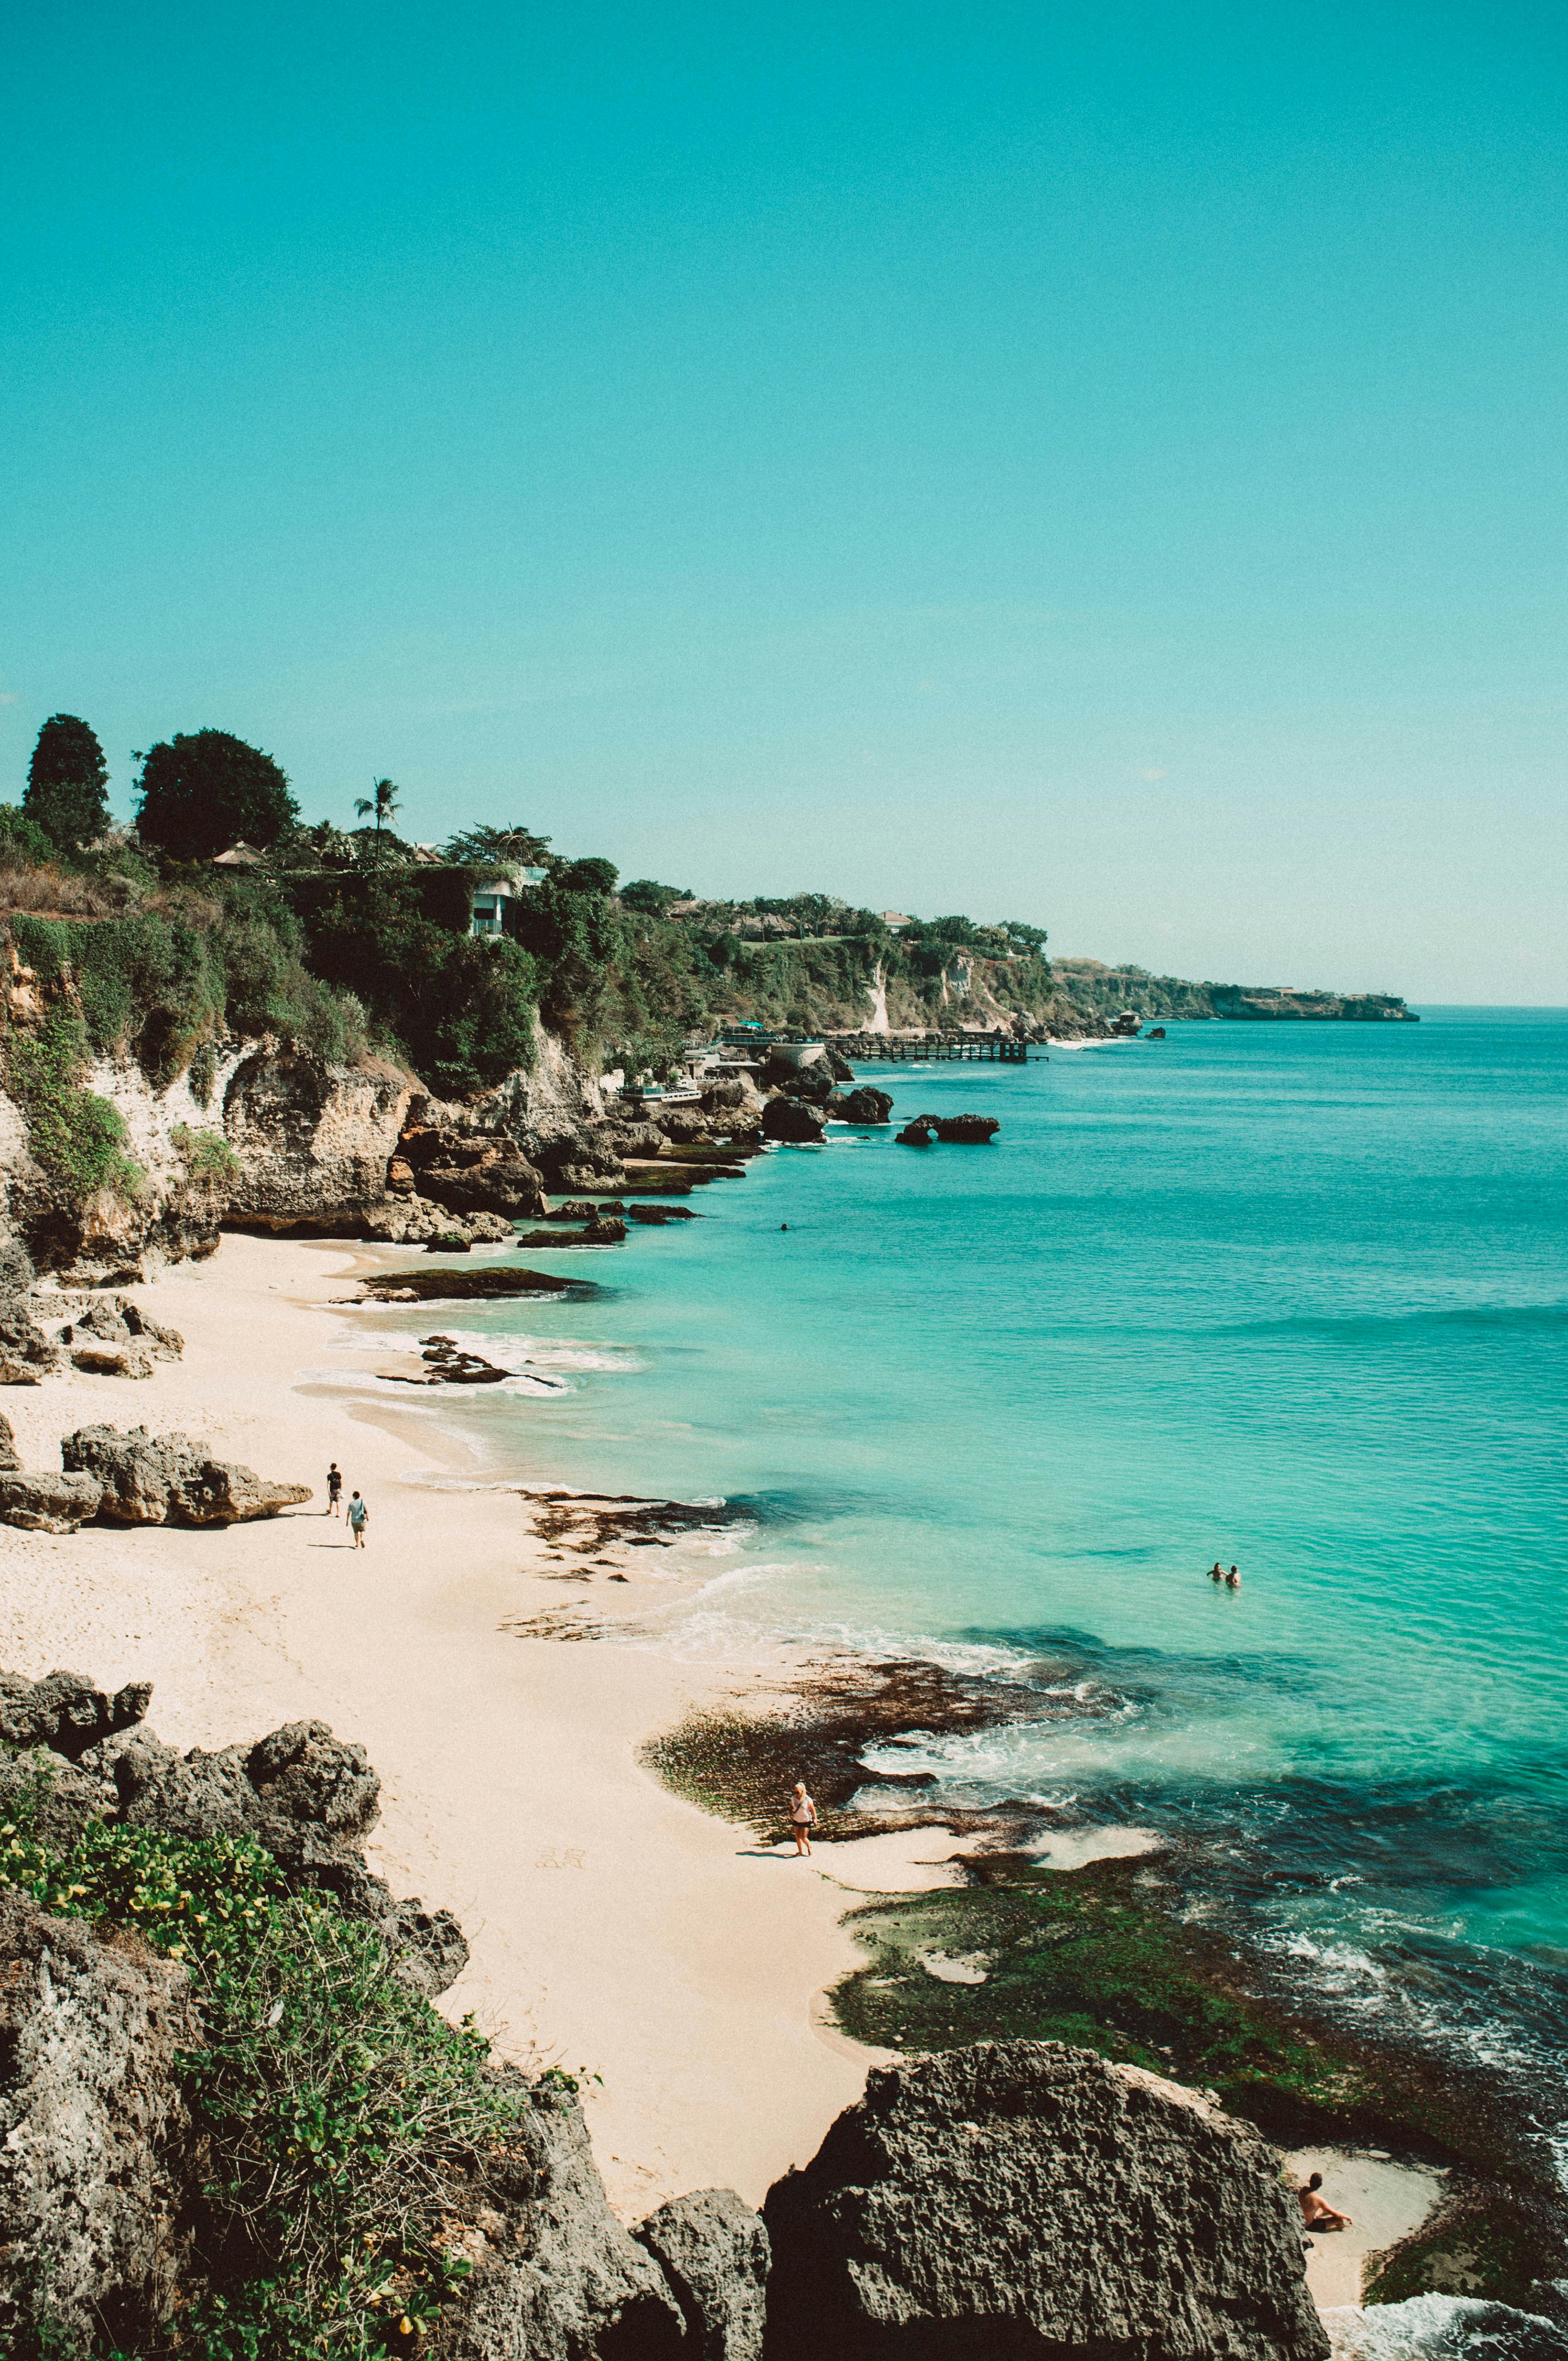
(1385, 2201)
(613, 1925)
(905, 1861)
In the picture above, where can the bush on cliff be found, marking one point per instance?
(77, 1138)
(334, 2113)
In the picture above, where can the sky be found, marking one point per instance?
(1100, 464)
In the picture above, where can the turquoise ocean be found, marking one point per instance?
(1295, 1297)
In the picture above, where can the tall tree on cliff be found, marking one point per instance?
(204, 791)
(383, 801)
(66, 781)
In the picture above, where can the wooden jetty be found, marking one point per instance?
(934, 1049)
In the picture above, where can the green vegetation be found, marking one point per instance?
(75, 1135)
(209, 1158)
(336, 2116)
(336, 942)
(67, 779)
(203, 792)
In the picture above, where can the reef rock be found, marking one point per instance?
(791, 1119)
(863, 1105)
(27, 1355)
(1027, 2199)
(91, 2127)
(713, 2250)
(66, 1713)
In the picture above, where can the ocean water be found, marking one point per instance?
(1295, 1297)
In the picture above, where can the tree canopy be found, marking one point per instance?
(514, 847)
(66, 782)
(204, 791)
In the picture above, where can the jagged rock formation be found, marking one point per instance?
(465, 1170)
(92, 2127)
(964, 1130)
(714, 2252)
(1026, 2199)
(864, 1104)
(27, 1355)
(555, 2277)
(147, 1479)
(112, 1337)
(65, 1713)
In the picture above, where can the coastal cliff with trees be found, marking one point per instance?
(176, 989)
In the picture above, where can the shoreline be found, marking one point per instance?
(706, 1988)
(615, 1927)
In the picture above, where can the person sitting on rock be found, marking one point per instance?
(1318, 2213)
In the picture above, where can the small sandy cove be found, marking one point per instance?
(613, 1926)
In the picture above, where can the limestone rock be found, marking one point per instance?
(100, 1360)
(684, 1124)
(57, 1798)
(138, 1471)
(964, 1130)
(91, 2123)
(791, 1119)
(10, 1457)
(303, 1773)
(65, 1712)
(864, 1105)
(471, 1171)
(590, 1176)
(27, 1355)
(555, 2277)
(661, 1214)
(1027, 2199)
(713, 2249)
(47, 1503)
(313, 1140)
(149, 1479)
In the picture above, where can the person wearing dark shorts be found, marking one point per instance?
(334, 1488)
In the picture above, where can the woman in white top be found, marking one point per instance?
(801, 1817)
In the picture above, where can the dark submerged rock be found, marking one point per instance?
(1027, 2199)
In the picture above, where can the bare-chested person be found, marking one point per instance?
(1318, 2213)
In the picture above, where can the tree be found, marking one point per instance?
(513, 848)
(591, 876)
(66, 780)
(381, 802)
(650, 899)
(204, 791)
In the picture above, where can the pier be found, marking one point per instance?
(934, 1049)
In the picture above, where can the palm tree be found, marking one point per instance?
(380, 803)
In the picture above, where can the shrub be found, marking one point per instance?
(209, 1158)
(76, 1136)
(66, 777)
(335, 2114)
(203, 792)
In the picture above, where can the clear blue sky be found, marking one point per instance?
(1099, 463)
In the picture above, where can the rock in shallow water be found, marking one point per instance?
(1026, 2199)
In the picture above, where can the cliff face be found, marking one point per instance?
(1088, 984)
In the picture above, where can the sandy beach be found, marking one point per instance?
(615, 1927)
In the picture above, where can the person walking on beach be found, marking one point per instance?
(802, 1818)
(334, 1488)
(359, 1517)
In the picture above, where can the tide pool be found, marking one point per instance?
(1291, 1296)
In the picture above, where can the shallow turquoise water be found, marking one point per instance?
(1295, 1297)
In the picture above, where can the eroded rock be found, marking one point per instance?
(147, 1479)
(713, 2249)
(791, 1119)
(1024, 2198)
(65, 1712)
(91, 2129)
(48, 1503)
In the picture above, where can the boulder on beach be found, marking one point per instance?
(713, 2250)
(156, 1480)
(1024, 2198)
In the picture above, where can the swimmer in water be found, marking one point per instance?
(1232, 1580)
